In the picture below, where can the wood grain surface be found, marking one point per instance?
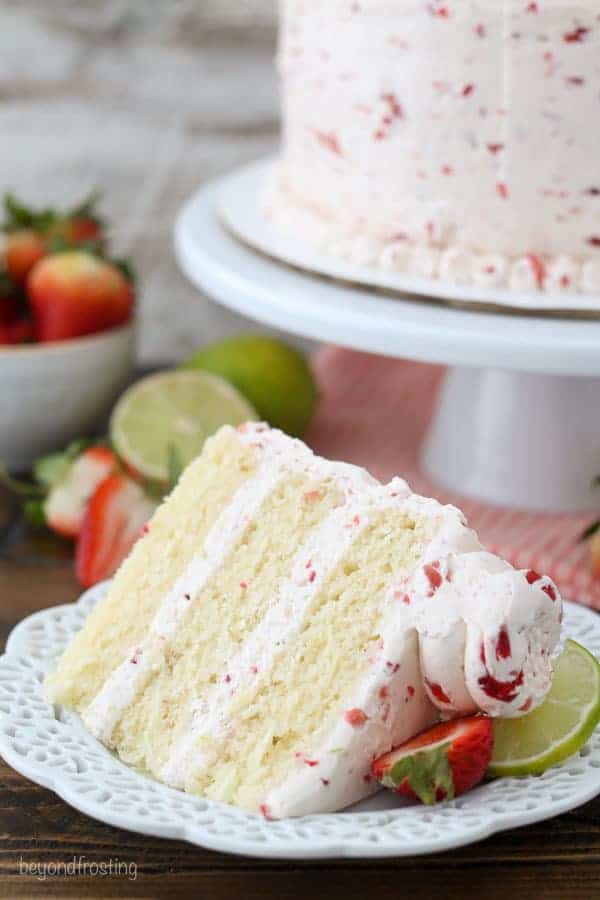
(555, 860)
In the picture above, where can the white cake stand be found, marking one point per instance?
(518, 420)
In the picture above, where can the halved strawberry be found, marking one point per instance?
(76, 293)
(440, 763)
(65, 505)
(113, 521)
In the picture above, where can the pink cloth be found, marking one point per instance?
(374, 412)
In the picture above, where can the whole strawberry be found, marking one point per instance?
(76, 293)
(440, 763)
(33, 233)
(22, 249)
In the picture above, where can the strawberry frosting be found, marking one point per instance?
(444, 138)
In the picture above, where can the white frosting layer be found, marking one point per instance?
(461, 632)
(459, 127)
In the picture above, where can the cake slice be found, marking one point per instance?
(285, 620)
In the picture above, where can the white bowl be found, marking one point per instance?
(52, 393)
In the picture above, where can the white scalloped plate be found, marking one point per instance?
(51, 747)
(239, 207)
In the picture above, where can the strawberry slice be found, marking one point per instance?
(440, 763)
(65, 505)
(76, 293)
(112, 523)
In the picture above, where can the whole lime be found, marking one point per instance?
(273, 376)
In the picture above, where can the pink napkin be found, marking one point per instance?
(374, 412)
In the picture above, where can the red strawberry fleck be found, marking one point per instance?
(355, 717)
(468, 90)
(311, 762)
(506, 691)
(312, 496)
(312, 576)
(576, 36)
(330, 141)
(325, 781)
(447, 170)
(502, 645)
(438, 692)
(538, 267)
(532, 8)
(502, 189)
(526, 706)
(395, 108)
(383, 692)
(228, 678)
(243, 585)
(495, 148)
(434, 578)
(532, 576)
(410, 690)
(480, 30)
(266, 812)
(575, 80)
(549, 590)
(594, 240)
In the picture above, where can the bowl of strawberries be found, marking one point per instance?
(66, 328)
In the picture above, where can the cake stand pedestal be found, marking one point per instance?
(518, 418)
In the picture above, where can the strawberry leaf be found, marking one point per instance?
(49, 470)
(33, 511)
(126, 269)
(174, 466)
(428, 773)
(589, 532)
(21, 488)
(87, 207)
(18, 216)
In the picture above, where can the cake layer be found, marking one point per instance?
(448, 139)
(286, 619)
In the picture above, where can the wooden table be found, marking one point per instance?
(557, 859)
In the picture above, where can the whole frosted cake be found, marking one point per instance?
(287, 619)
(455, 139)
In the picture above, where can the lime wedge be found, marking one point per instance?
(559, 727)
(171, 414)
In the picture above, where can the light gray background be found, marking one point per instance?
(145, 99)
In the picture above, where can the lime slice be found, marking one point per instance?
(275, 377)
(171, 414)
(559, 727)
